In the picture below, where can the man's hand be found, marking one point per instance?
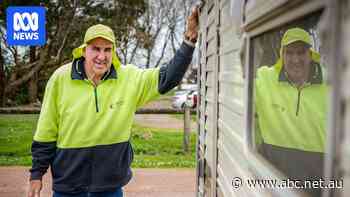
(191, 33)
(34, 188)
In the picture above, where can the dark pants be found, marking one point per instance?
(117, 193)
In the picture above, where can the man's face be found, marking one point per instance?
(297, 60)
(98, 56)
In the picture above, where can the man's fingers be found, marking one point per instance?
(34, 188)
(193, 19)
(195, 11)
(192, 24)
(37, 193)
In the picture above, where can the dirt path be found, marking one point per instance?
(145, 183)
(162, 121)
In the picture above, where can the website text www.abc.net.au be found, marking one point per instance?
(238, 182)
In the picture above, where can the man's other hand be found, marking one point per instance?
(191, 33)
(34, 188)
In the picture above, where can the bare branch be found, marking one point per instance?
(21, 67)
(37, 66)
(58, 55)
(163, 51)
(133, 53)
(24, 78)
(11, 49)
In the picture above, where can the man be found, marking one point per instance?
(291, 108)
(84, 126)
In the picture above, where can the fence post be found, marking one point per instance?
(187, 128)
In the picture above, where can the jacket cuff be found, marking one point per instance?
(186, 50)
(189, 43)
(35, 175)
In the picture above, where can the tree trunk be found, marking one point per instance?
(33, 82)
(43, 61)
(148, 59)
(2, 80)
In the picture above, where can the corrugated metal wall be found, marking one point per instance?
(231, 160)
(222, 143)
(208, 98)
(221, 102)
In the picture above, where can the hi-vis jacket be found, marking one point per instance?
(291, 121)
(290, 117)
(83, 131)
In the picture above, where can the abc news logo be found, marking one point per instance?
(26, 26)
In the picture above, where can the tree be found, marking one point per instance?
(36, 64)
(164, 24)
(147, 33)
(2, 78)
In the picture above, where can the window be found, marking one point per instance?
(291, 98)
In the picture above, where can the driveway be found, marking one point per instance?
(145, 183)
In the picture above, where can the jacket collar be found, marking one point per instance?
(78, 71)
(315, 76)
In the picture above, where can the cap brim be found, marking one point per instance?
(100, 36)
(296, 40)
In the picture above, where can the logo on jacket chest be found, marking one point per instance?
(278, 107)
(116, 105)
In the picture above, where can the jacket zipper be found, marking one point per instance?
(299, 97)
(96, 100)
(95, 94)
(298, 103)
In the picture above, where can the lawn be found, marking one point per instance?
(181, 117)
(153, 147)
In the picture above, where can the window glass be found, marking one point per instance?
(291, 100)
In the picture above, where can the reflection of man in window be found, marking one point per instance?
(291, 103)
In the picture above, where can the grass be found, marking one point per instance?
(181, 117)
(156, 148)
(153, 147)
(167, 96)
(171, 93)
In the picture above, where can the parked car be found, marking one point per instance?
(185, 86)
(183, 97)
